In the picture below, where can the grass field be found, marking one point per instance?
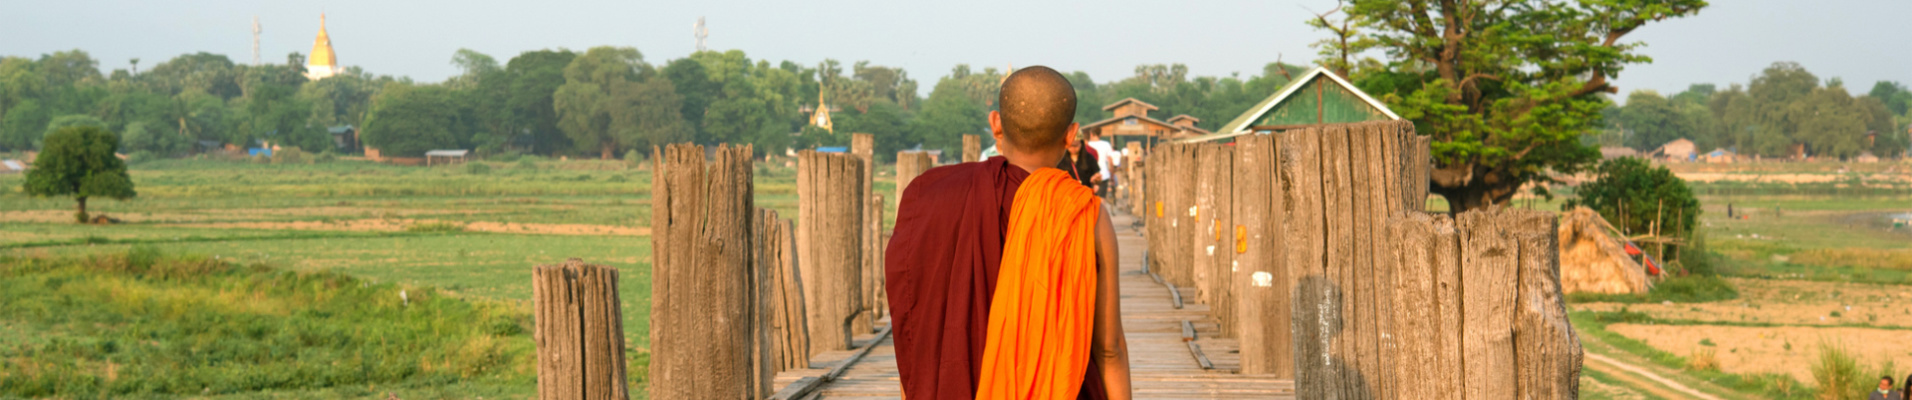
(469, 234)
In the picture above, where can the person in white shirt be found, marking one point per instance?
(1107, 159)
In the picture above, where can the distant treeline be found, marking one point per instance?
(602, 102)
(1783, 108)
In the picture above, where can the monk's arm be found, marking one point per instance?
(1111, 347)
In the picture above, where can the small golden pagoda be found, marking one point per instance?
(821, 118)
(322, 63)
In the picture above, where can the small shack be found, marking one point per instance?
(1317, 97)
(443, 157)
(344, 138)
(1678, 150)
(1612, 152)
(1592, 260)
(1718, 156)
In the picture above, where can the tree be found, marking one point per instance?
(1507, 89)
(535, 75)
(79, 161)
(1649, 121)
(140, 137)
(68, 121)
(611, 99)
(408, 120)
(1632, 195)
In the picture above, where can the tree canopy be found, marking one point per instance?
(1507, 89)
(1783, 109)
(80, 161)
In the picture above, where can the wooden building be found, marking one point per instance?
(1131, 121)
(1316, 97)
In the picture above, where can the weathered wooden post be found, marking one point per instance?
(909, 165)
(1313, 308)
(709, 314)
(830, 245)
(863, 145)
(1180, 269)
(777, 252)
(1260, 276)
(972, 148)
(1214, 231)
(580, 332)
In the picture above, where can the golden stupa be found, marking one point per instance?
(322, 63)
(821, 118)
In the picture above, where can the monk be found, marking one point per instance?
(1002, 274)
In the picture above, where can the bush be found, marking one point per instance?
(477, 168)
(436, 227)
(290, 155)
(326, 157)
(634, 158)
(1837, 374)
(528, 162)
(1643, 193)
(1703, 360)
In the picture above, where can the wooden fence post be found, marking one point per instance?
(863, 145)
(580, 332)
(707, 293)
(1132, 163)
(830, 244)
(972, 148)
(1299, 171)
(1215, 240)
(1548, 352)
(909, 165)
(1180, 270)
(1489, 281)
(777, 252)
(1260, 276)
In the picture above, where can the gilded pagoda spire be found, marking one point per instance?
(322, 62)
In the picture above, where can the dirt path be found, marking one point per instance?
(1632, 375)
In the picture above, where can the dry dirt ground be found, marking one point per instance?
(1765, 349)
(1792, 303)
(1872, 321)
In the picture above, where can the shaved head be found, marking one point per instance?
(1038, 104)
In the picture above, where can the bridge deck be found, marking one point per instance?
(1163, 365)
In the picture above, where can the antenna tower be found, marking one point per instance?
(701, 32)
(255, 40)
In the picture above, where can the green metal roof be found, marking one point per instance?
(1337, 102)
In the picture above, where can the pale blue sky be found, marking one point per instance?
(1860, 41)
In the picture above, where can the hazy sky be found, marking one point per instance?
(1728, 42)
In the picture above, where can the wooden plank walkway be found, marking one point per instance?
(1162, 363)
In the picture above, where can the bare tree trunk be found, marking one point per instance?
(82, 214)
(604, 151)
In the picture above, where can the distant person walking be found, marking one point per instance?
(1106, 160)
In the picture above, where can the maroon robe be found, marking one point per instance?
(940, 273)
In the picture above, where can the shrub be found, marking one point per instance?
(1703, 360)
(528, 162)
(477, 168)
(1643, 193)
(1837, 374)
(436, 227)
(289, 155)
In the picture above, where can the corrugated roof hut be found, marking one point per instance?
(1592, 261)
(1317, 97)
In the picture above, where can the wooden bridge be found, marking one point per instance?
(1166, 362)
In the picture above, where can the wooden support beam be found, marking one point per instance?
(972, 148)
(707, 293)
(830, 232)
(1261, 282)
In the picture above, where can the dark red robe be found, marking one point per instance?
(940, 273)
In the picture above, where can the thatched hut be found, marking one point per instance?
(1592, 260)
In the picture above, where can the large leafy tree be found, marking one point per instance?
(612, 100)
(535, 75)
(1649, 121)
(1507, 88)
(408, 120)
(79, 161)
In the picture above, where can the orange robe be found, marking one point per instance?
(1042, 314)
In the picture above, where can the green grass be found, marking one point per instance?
(1687, 289)
(137, 323)
(241, 213)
